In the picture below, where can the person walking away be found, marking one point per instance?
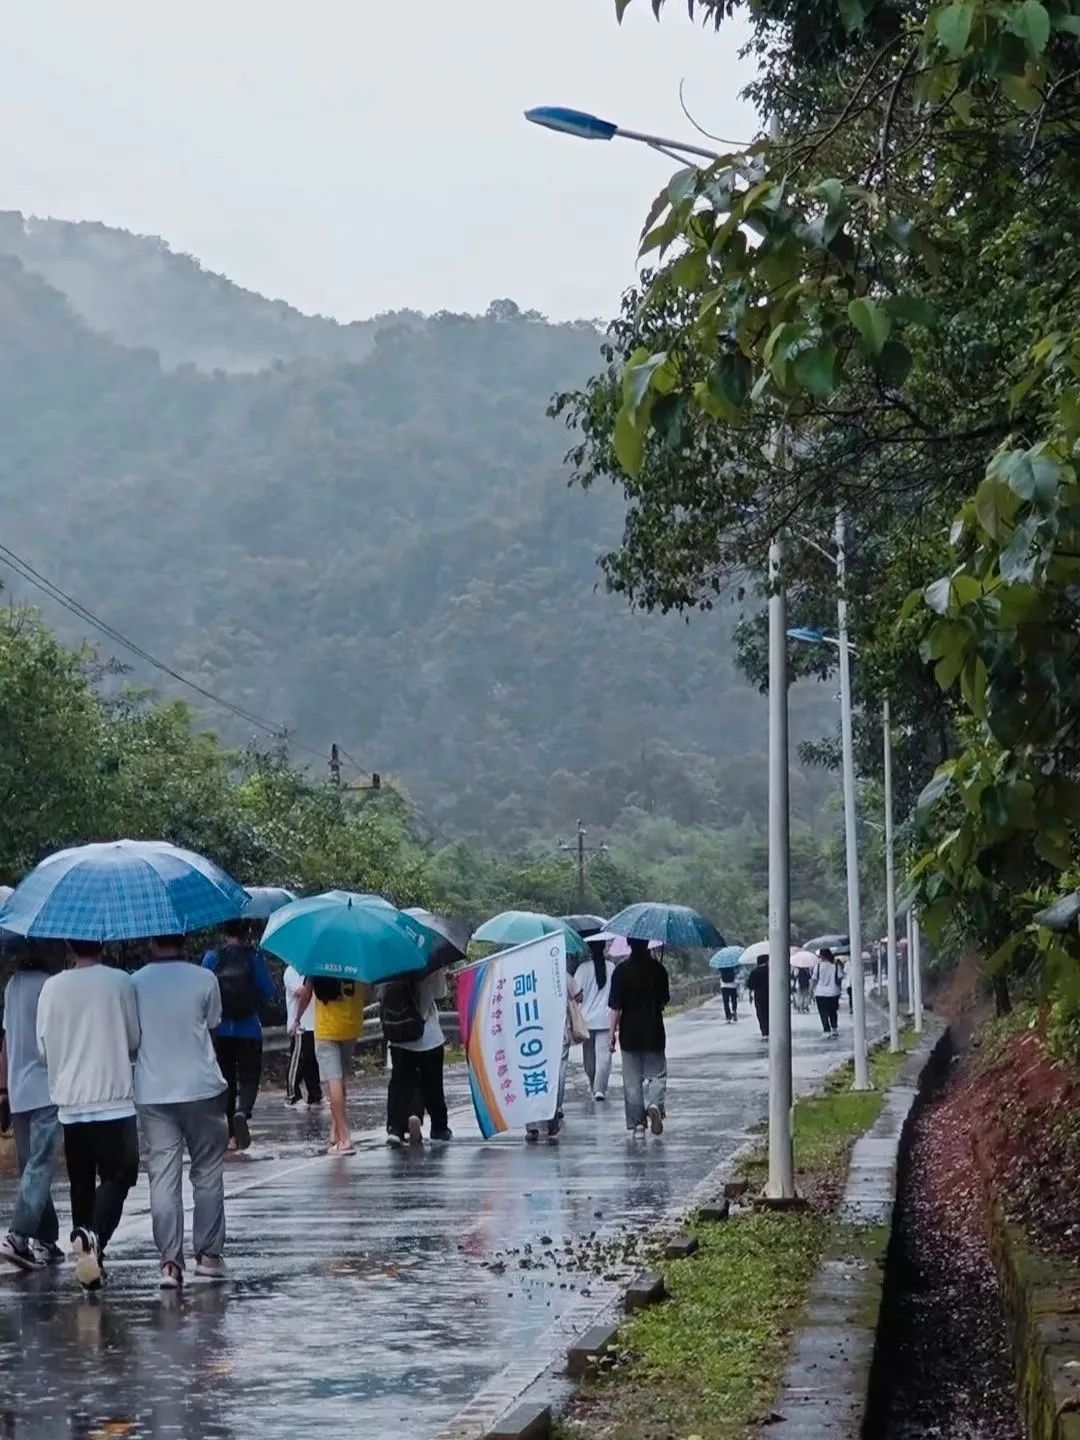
(803, 978)
(594, 977)
(339, 1023)
(413, 1031)
(827, 991)
(31, 1242)
(244, 982)
(729, 993)
(88, 1035)
(179, 1095)
(300, 1022)
(640, 992)
(757, 983)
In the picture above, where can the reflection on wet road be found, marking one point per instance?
(377, 1293)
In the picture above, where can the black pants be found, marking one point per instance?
(828, 1007)
(412, 1071)
(241, 1064)
(761, 1005)
(102, 1159)
(304, 1066)
(731, 1002)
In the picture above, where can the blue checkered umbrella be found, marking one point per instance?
(122, 890)
(670, 924)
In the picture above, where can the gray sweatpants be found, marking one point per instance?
(166, 1129)
(644, 1078)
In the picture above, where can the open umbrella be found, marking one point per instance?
(515, 927)
(727, 958)
(122, 890)
(670, 924)
(263, 900)
(585, 925)
(348, 937)
(838, 944)
(453, 937)
(753, 953)
(803, 960)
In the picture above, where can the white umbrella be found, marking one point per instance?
(753, 953)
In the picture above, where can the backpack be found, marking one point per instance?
(402, 1022)
(236, 981)
(326, 989)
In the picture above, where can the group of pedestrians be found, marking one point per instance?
(824, 983)
(91, 1056)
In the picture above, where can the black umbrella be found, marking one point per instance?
(455, 937)
(585, 925)
(838, 944)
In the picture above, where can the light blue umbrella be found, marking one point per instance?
(515, 927)
(670, 924)
(263, 900)
(726, 959)
(350, 937)
(122, 890)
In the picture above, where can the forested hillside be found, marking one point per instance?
(379, 551)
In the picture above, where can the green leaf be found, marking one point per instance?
(954, 26)
(1052, 844)
(934, 790)
(973, 679)
(815, 369)
(995, 810)
(638, 374)
(872, 324)
(912, 601)
(1032, 23)
(1069, 23)
(912, 309)
(628, 439)
(683, 184)
(948, 668)
(853, 13)
(621, 7)
(894, 363)
(1021, 92)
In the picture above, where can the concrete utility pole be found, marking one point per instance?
(335, 767)
(916, 973)
(890, 884)
(781, 1181)
(581, 850)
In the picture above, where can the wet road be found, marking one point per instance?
(379, 1292)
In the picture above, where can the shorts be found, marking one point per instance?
(335, 1058)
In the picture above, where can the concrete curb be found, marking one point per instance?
(1042, 1308)
(827, 1386)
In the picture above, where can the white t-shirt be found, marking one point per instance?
(594, 998)
(293, 981)
(827, 978)
(430, 991)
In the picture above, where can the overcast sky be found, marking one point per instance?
(353, 156)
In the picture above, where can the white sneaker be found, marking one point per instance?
(639, 1132)
(84, 1249)
(599, 1095)
(211, 1267)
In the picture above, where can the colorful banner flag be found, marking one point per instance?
(512, 1008)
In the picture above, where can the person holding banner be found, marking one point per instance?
(639, 993)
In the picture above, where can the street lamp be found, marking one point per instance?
(781, 1181)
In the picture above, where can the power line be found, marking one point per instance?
(26, 571)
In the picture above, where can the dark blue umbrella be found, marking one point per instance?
(670, 924)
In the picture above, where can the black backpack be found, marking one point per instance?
(402, 1021)
(326, 989)
(236, 981)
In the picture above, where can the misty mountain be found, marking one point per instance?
(376, 549)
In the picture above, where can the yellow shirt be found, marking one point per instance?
(341, 1019)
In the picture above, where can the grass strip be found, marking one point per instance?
(709, 1362)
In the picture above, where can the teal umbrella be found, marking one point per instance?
(349, 937)
(515, 927)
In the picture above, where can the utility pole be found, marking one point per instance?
(781, 1181)
(861, 1079)
(890, 884)
(335, 767)
(581, 850)
(916, 974)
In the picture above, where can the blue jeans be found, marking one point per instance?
(644, 1078)
(36, 1135)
